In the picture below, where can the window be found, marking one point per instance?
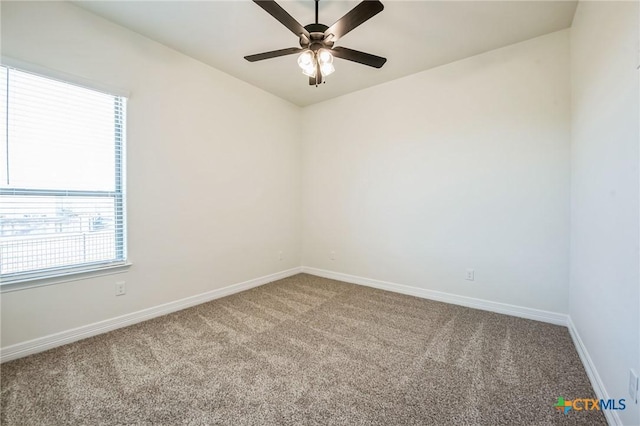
(61, 178)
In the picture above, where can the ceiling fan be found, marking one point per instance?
(317, 40)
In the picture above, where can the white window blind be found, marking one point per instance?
(61, 177)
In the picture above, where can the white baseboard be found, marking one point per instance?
(596, 382)
(470, 302)
(41, 344)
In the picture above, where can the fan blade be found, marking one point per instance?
(275, 10)
(356, 16)
(359, 57)
(273, 54)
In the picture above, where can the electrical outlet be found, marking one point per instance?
(332, 255)
(121, 288)
(471, 275)
(280, 255)
(633, 386)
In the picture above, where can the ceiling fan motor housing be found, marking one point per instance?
(317, 38)
(316, 28)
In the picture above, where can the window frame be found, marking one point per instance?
(47, 276)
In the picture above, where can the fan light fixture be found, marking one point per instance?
(317, 41)
(309, 61)
(325, 58)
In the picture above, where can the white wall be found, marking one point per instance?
(213, 171)
(462, 166)
(605, 282)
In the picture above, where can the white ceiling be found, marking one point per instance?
(412, 35)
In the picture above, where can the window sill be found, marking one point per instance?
(33, 282)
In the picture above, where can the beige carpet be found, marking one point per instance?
(306, 350)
